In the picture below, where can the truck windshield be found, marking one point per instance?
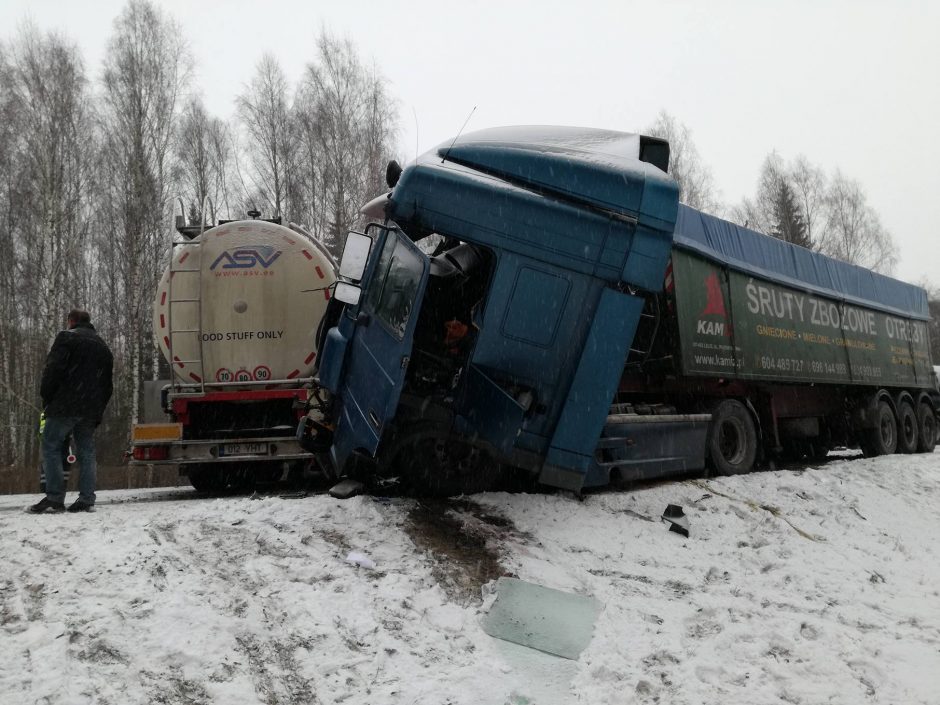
(394, 285)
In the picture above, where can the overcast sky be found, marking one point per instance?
(851, 84)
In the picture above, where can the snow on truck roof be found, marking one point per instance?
(616, 172)
(605, 169)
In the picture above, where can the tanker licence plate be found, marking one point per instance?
(243, 449)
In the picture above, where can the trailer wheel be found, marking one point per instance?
(926, 428)
(882, 439)
(207, 478)
(907, 427)
(732, 439)
(221, 478)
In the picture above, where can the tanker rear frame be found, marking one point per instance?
(220, 434)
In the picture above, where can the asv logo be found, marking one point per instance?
(247, 257)
(714, 306)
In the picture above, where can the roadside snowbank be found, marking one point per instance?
(815, 586)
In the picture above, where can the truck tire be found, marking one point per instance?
(907, 427)
(731, 447)
(882, 438)
(926, 428)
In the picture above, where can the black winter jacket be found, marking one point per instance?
(77, 378)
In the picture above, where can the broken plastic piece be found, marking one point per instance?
(346, 489)
(360, 559)
(677, 519)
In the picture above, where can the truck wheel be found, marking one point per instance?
(907, 428)
(926, 429)
(732, 439)
(883, 438)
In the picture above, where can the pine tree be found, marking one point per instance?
(789, 224)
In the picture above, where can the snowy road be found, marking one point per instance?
(815, 586)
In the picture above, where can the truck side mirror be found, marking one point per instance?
(355, 256)
(347, 293)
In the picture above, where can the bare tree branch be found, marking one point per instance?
(696, 186)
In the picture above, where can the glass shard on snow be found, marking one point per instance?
(556, 622)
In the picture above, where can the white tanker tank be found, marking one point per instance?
(244, 304)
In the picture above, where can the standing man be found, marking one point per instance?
(76, 387)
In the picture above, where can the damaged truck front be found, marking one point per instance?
(505, 346)
(567, 320)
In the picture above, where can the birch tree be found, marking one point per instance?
(9, 325)
(797, 202)
(854, 232)
(264, 113)
(347, 125)
(809, 183)
(203, 154)
(694, 178)
(45, 168)
(146, 68)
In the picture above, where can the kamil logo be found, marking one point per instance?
(714, 306)
(247, 257)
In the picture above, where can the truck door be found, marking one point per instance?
(380, 346)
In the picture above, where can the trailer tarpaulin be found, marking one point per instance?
(763, 256)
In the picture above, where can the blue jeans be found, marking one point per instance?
(83, 431)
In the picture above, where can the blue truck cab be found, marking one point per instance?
(498, 304)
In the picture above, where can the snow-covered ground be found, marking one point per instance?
(815, 586)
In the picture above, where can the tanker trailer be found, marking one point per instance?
(235, 316)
